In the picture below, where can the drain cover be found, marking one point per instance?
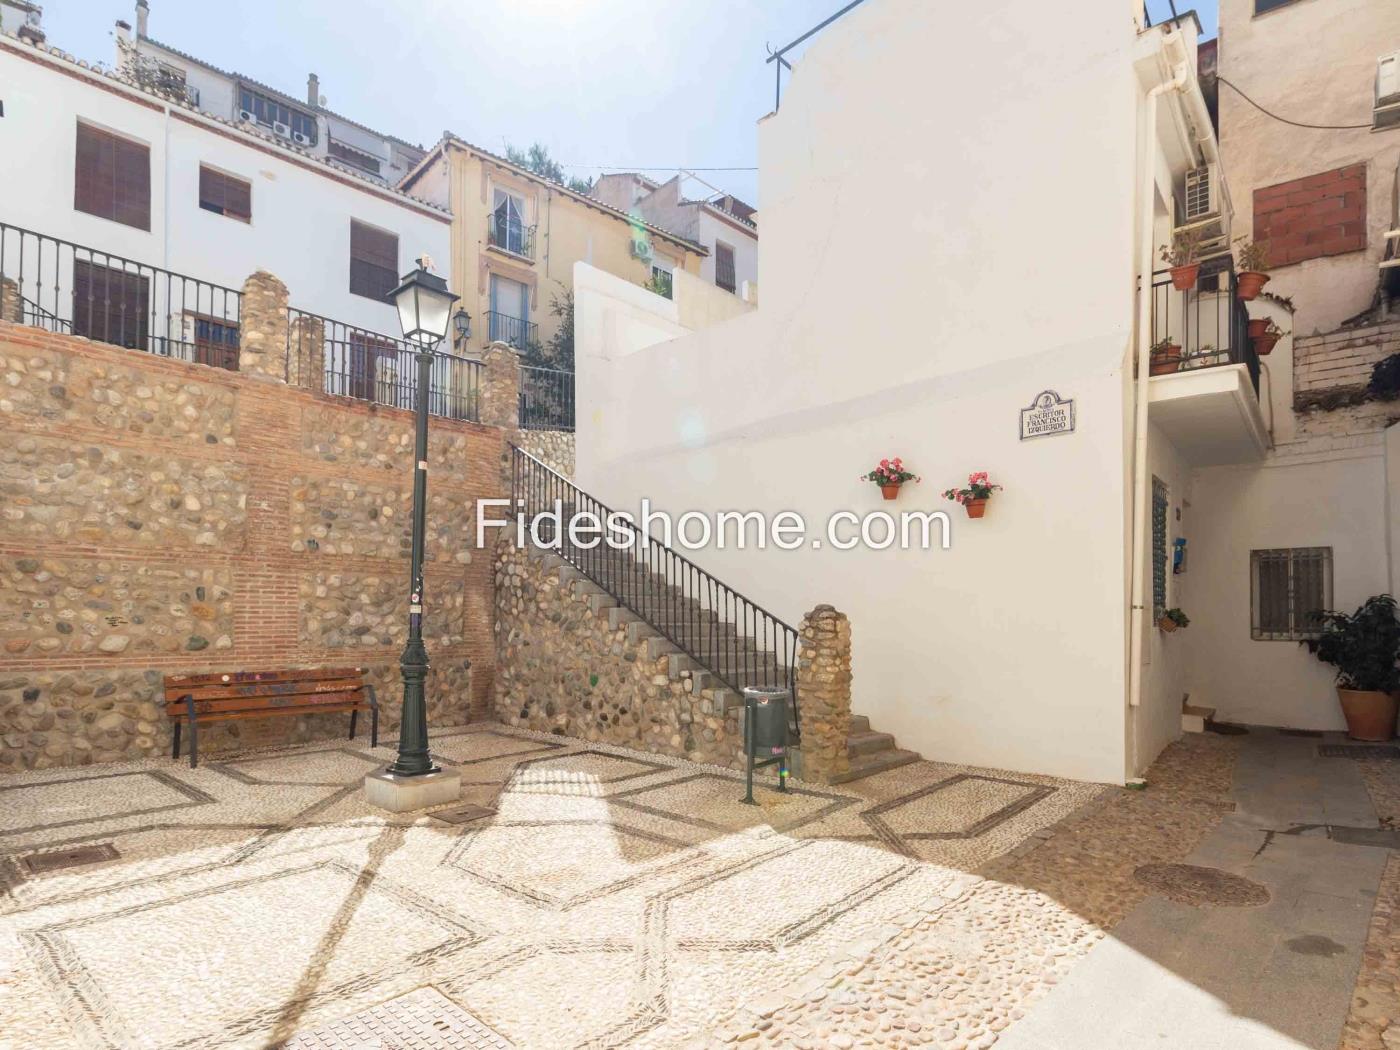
(1370, 752)
(57, 860)
(424, 1019)
(463, 814)
(1309, 733)
(1195, 885)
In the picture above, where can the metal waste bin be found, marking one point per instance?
(766, 732)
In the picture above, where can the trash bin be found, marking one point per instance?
(765, 732)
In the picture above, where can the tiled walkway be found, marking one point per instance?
(605, 898)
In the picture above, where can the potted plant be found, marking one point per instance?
(974, 497)
(1181, 256)
(1166, 357)
(1264, 341)
(1364, 647)
(1170, 620)
(889, 475)
(1252, 257)
(1258, 326)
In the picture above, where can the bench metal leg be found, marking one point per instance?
(373, 715)
(353, 716)
(175, 745)
(194, 733)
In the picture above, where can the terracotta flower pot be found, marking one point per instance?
(1167, 624)
(1184, 277)
(1166, 361)
(976, 507)
(1249, 283)
(1258, 326)
(1264, 344)
(1370, 714)
(890, 491)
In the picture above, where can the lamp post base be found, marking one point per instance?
(398, 794)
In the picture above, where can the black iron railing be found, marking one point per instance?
(347, 361)
(1209, 323)
(515, 331)
(71, 288)
(546, 398)
(510, 235)
(737, 640)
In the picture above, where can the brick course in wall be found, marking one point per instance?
(154, 517)
(1333, 369)
(1317, 215)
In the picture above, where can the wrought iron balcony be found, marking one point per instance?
(514, 331)
(1209, 323)
(510, 236)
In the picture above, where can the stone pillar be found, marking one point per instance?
(824, 692)
(306, 353)
(11, 308)
(500, 386)
(262, 328)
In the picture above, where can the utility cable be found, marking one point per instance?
(1285, 120)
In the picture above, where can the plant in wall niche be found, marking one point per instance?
(974, 497)
(1252, 257)
(889, 475)
(1166, 357)
(1385, 379)
(1182, 256)
(1170, 620)
(1364, 647)
(1265, 340)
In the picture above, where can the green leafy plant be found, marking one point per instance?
(1177, 617)
(1385, 379)
(978, 487)
(661, 283)
(1252, 256)
(1184, 249)
(891, 472)
(1161, 346)
(1363, 646)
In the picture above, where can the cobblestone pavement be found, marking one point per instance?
(606, 898)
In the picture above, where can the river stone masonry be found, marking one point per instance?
(824, 683)
(569, 661)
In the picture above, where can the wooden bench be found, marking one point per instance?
(261, 694)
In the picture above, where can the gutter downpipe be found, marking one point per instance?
(1144, 356)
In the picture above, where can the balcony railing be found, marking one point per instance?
(546, 399)
(77, 290)
(514, 331)
(1209, 322)
(510, 236)
(370, 366)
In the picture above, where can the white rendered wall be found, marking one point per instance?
(745, 245)
(300, 229)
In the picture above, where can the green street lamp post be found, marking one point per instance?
(425, 305)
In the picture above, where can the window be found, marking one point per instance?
(111, 305)
(1286, 587)
(225, 195)
(509, 317)
(350, 155)
(724, 266)
(1160, 504)
(215, 342)
(508, 223)
(112, 177)
(662, 278)
(1261, 6)
(268, 111)
(374, 261)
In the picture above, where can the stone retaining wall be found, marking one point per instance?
(554, 447)
(159, 517)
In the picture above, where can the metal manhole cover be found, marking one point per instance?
(1370, 752)
(424, 1019)
(1196, 885)
(58, 860)
(463, 814)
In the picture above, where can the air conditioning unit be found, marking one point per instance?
(1200, 210)
(1386, 111)
(641, 249)
(301, 139)
(245, 116)
(278, 128)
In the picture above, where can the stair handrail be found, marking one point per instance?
(534, 481)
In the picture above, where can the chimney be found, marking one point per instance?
(143, 12)
(124, 31)
(313, 90)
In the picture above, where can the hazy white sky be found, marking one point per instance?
(602, 83)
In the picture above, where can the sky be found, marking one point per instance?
(617, 84)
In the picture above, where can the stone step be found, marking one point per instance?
(868, 743)
(600, 601)
(880, 762)
(859, 724)
(1194, 719)
(659, 647)
(639, 631)
(679, 663)
(619, 617)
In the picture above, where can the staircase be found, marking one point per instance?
(709, 632)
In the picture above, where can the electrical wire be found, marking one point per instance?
(649, 167)
(1285, 120)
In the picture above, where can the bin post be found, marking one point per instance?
(765, 726)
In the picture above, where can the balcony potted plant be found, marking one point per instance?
(1265, 340)
(974, 497)
(1170, 620)
(1181, 256)
(1252, 257)
(1166, 357)
(1258, 326)
(1364, 646)
(890, 475)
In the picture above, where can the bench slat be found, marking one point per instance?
(184, 681)
(225, 716)
(255, 689)
(274, 705)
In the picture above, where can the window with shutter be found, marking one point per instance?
(1287, 586)
(724, 266)
(111, 305)
(225, 194)
(112, 177)
(374, 261)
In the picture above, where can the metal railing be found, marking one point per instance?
(514, 237)
(777, 56)
(1209, 322)
(371, 366)
(77, 290)
(737, 640)
(546, 398)
(515, 331)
